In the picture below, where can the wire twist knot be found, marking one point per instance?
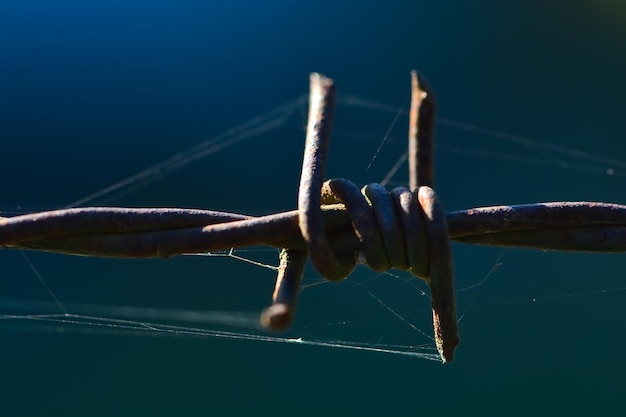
(400, 229)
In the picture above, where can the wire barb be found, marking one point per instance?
(335, 221)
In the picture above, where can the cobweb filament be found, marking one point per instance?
(386, 136)
(263, 123)
(231, 254)
(497, 264)
(543, 153)
(43, 282)
(87, 324)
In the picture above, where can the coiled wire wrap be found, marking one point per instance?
(398, 229)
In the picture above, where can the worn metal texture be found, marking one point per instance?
(334, 223)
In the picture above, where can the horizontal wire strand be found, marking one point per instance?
(334, 222)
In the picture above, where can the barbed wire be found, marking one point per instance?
(405, 228)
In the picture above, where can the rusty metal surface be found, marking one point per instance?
(334, 222)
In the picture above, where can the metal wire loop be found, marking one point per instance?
(403, 230)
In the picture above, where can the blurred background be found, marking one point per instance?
(530, 95)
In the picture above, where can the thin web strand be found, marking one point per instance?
(382, 142)
(525, 141)
(43, 282)
(144, 328)
(496, 266)
(254, 127)
(231, 254)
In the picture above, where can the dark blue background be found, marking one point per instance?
(92, 92)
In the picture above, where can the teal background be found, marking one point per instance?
(92, 92)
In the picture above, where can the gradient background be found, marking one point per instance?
(92, 92)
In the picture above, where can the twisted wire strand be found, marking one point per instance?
(565, 226)
(335, 221)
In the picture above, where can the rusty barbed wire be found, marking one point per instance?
(335, 221)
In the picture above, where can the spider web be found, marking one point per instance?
(387, 313)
